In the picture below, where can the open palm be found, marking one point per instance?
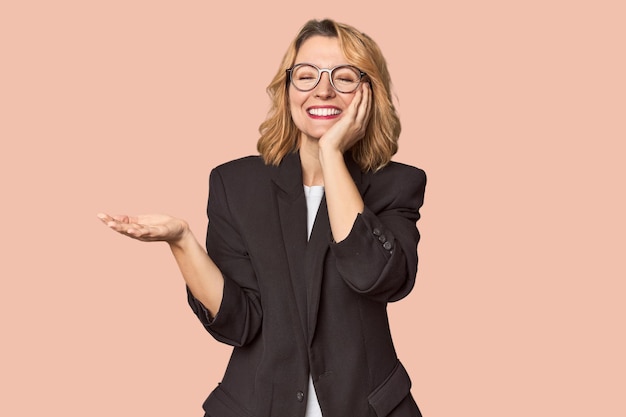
(147, 227)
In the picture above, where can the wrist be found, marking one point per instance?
(329, 154)
(182, 239)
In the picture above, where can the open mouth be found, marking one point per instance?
(323, 111)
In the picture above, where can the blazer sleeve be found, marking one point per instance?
(239, 317)
(379, 257)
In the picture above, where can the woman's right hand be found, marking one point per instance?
(148, 227)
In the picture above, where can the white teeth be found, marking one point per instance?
(324, 112)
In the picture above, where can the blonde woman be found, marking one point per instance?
(307, 242)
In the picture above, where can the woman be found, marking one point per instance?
(308, 242)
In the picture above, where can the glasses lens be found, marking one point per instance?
(304, 77)
(346, 79)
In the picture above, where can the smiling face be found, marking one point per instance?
(315, 111)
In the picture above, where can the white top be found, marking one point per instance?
(314, 195)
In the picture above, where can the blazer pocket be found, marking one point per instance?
(391, 392)
(221, 404)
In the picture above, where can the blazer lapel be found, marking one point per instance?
(292, 213)
(316, 251)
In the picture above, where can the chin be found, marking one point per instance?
(318, 131)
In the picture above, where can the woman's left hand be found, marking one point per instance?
(342, 196)
(350, 128)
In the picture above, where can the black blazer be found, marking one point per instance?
(293, 308)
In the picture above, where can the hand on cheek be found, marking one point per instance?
(351, 127)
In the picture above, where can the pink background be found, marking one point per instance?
(516, 110)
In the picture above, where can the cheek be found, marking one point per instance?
(296, 99)
(347, 99)
(295, 106)
(299, 120)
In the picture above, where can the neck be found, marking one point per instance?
(309, 156)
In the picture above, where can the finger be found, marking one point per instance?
(122, 224)
(105, 218)
(123, 218)
(139, 232)
(365, 103)
(350, 114)
(370, 96)
(136, 231)
(358, 101)
(361, 112)
(147, 232)
(117, 226)
(370, 105)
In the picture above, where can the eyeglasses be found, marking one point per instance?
(343, 78)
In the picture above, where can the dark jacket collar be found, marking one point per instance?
(288, 175)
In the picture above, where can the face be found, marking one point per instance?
(315, 111)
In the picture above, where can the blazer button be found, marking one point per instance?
(387, 245)
(300, 396)
(382, 238)
(376, 231)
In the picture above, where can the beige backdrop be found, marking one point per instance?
(516, 110)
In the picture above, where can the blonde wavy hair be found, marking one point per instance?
(279, 134)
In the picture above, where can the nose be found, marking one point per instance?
(324, 88)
